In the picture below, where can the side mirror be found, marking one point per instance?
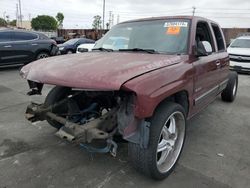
(204, 48)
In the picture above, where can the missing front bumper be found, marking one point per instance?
(71, 131)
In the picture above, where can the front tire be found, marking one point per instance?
(55, 95)
(229, 93)
(167, 136)
(69, 52)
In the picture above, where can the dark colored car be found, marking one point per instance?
(71, 45)
(143, 88)
(59, 40)
(22, 47)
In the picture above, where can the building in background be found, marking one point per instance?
(76, 33)
(232, 33)
(26, 24)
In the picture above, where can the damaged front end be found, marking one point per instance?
(88, 117)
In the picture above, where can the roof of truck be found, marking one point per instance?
(170, 17)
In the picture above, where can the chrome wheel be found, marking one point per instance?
(170, 142)
(234, 88)
(42, 55)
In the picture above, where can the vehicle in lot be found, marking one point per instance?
(59, 40)
(239, 53)
(170, 69)
(22, 47)
(116, 43)
(85, 48)
(71, 45)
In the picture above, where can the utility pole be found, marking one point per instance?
(118, 19)
(193, 10)
(4, 15)
(103, 15)
(20, 12)
(17, 18)
(110, 17)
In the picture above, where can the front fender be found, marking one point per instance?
(154, 87)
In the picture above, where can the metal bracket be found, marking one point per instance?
(111, 147)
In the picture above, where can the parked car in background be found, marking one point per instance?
(71, 45)
(239, 53)
(85, 48)
(22, 47)
(59, 40)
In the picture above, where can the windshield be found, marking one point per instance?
(241, 43)
(71, 41)
(163, 36)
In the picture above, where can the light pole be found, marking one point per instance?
(103, 15)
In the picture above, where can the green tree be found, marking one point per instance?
(3, 23)
(12, 23)
(59, 18)
(44, 23)
(97, 22)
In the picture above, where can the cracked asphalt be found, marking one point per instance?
(216, 152)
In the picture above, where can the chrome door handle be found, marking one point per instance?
(34, 44)
(218, 64)
(7, 46)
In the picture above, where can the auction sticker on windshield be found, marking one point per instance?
(176, 24)
(174, 28)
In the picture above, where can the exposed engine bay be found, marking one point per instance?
(84, 117)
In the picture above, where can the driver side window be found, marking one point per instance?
(203, 33)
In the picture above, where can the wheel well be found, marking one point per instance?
(40, 51)
(179, 98)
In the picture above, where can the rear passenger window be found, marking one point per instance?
(203, 33)
(5, 36)
(218, 37)
(20, 36)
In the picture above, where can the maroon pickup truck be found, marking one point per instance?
(141, 82)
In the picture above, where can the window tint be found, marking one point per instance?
(203, 33)
(19, 36)
(5, 36)
(219, 38)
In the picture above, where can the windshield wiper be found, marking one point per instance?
(102, 49)
(150, 51)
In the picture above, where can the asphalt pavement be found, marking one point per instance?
(216, 153)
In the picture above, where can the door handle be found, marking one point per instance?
(218, 63)
(7, 46)
(34, 44)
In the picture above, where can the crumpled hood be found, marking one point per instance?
(95, 70)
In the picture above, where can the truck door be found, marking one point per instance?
(223, 68)
(206, 77)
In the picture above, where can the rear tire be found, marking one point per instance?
(69, 52)
(165, 145)
(56, 94)
(42, 55)
(229, 93)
